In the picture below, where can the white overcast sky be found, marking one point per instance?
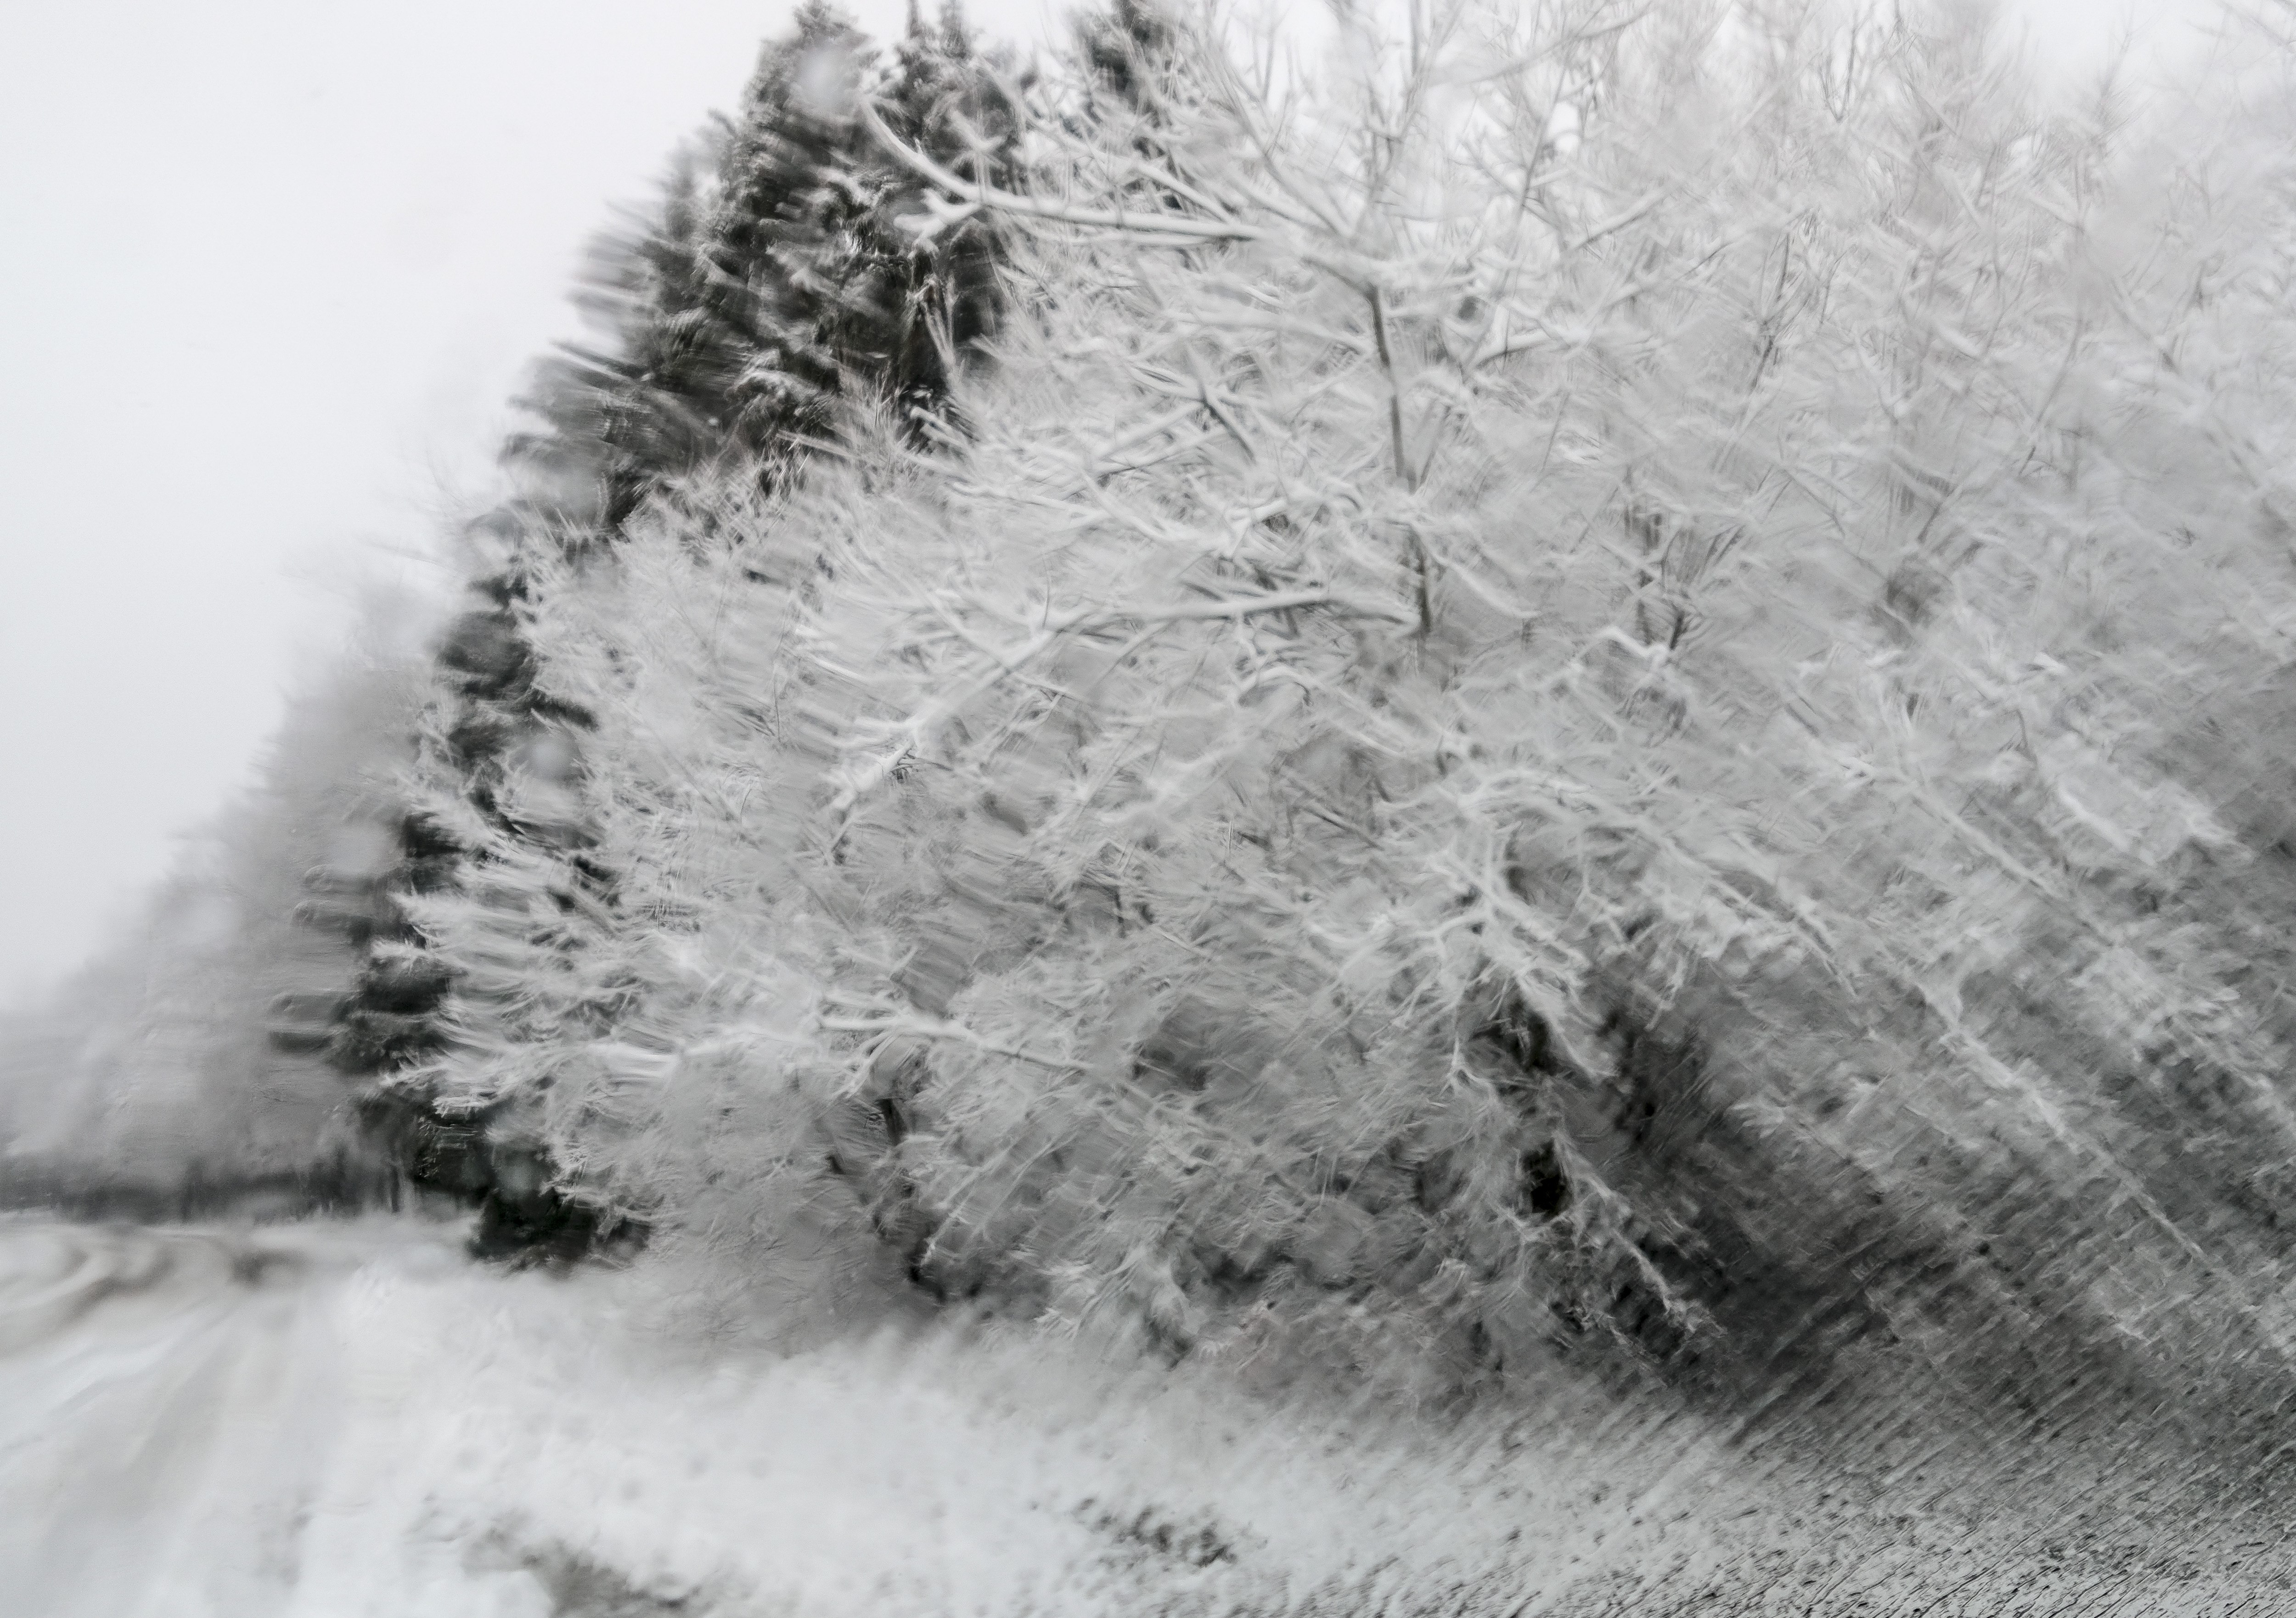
(268, 271)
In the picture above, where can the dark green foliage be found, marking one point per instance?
(777, 282)
(774, 289)
(1125, 46)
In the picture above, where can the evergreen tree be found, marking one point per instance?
(776, 289)
(780, 281)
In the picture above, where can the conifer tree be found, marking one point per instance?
(781, 281)
(774, 288)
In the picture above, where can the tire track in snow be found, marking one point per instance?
(169, 1403)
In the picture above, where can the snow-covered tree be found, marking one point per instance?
(1591, 616)
(773, 290)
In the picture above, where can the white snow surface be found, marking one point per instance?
(354, 1421)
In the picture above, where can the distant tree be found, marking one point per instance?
(185, 1066)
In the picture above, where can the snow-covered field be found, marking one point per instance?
(337, 1421)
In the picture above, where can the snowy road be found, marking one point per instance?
(175, 1417)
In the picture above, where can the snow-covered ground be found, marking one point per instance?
(334, 1421)
(339, 1421)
